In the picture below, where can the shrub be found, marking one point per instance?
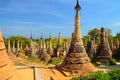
(19, 64)
(75, 78)
(99, 75)
(56, 61)
(114, 74)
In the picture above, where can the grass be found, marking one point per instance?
(56, 61)
(18, 63)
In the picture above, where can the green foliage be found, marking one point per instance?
(31, 59)
(114, 74)
(85, 39)
(19, 64)
(56, 61)
(21, 39)
(94, 33)
(109, 31)
(75, 78)
(99, 75)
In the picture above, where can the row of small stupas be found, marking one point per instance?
(103, 51)
(40, 49)
(76, 61)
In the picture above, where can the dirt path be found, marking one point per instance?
(106, 68)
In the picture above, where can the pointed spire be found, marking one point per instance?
(77, 31)
(41, 36)
(117, 41)
(9, 49)
(77, 7)
(59, 39)
(21, 47)
(13, 44)
(44, 45)
(31, 36)
(50, 45)
(89, 38)
(18, 45)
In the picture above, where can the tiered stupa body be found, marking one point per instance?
(40, 45)
(90, 48)
(58, 50)
(117, 42)
(18, 49)
(50, 49)
(103, 54)
(108, 45)
(7, 70)
(13, 47)
(9, 48)
(44, 55)
(116, 51)
(31, 52)
(77, 61)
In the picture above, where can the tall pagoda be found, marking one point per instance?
(104, 52)
(76, 61)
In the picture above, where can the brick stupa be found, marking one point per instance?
(76, 61)
(104, 52)
(90, 48)
(7, 69)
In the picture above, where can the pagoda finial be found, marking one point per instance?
(59, 38)
(41, 36)
(50, 36)
(31, 36)
(89, 37)
(77, 7)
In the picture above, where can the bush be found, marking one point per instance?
(75, 78)
(99, 75)
(114, 74)
(56, 61)
(19, 64)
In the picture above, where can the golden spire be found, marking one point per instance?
(77, 31)
(77, 7)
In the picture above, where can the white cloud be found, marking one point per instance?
(36, 6)
(117, 24)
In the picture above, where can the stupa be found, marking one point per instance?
(50, 49)
(76, 61)
(103, 54)
(7, 69)
(31, 52)
(18, 49)
(44, 55)
(90, 48)
(58, 51)
(9, 48)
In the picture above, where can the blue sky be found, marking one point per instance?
(21, 17)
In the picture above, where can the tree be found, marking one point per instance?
(94, 33)
(108, 31)
(85, 39)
